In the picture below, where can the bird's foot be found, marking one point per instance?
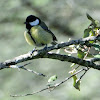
(31, 52)
(45, 48)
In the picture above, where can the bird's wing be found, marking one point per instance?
(44, 26)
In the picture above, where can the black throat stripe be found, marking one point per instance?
(31, 37)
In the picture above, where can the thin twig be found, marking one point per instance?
(29, 93)
(66, 79)
(50, 87)
(83, 73)
(29, 70)
(87, 67)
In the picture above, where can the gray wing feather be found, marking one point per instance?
(44, 26)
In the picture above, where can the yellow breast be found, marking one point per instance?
(40, 36)
(28, 38)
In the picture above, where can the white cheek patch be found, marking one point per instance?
(36, 22)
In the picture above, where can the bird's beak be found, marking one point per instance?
(25, 22)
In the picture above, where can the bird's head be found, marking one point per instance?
(32, 20)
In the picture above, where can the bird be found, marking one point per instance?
(37, 33)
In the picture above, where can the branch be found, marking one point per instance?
(43, 54)
(94, 59)
(71, 59)
(29, 70)
(51, 87)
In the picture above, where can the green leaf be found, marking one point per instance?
(77, 84)
(96, 22)
(80, 54)
(91, 41)
(52, 78)
(74, 80)
(97, 56)
(96, 46)
(92, 33)
(86, 32)
(90, 18)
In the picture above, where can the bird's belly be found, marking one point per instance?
(41, 37)
(28, 39)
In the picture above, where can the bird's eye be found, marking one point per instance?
(34, 23)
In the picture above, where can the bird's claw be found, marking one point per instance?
(45, 48)
(31, 52)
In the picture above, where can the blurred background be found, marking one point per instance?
(67, 19)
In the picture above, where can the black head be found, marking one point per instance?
(31, 21)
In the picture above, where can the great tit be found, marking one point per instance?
(37, 33)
